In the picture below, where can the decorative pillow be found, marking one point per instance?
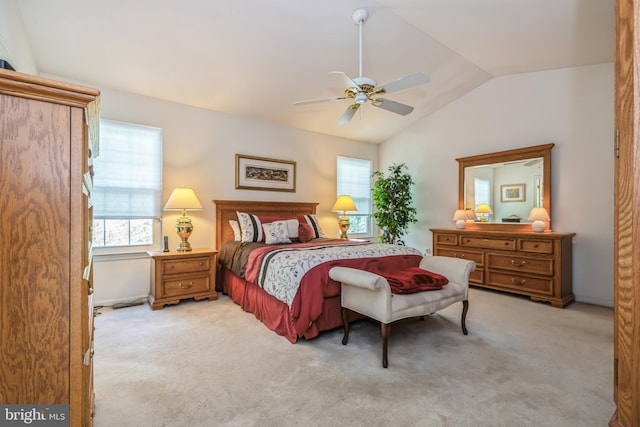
(292, 223)
(305, 233)
(312, 220)
(276, 232)
(250, 227)
(237, 234)
(292, 226)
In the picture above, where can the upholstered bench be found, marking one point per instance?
(370, 294)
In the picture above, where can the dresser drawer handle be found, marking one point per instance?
(513, 281)
(186, 286)
(201, 263)
(522, 264)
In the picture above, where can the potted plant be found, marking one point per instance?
(393, 201)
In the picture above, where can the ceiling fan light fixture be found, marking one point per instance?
(362, 89)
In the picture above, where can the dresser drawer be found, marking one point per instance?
(477, 257)
(446, 239)
(522, 264)
(538, 246)
(477, 276)
(184, 286)
(520, 282)
(185, 265)
(489, 243)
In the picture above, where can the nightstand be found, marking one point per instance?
(179, 275)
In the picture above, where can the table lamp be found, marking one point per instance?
(183, 199)
(460, 217)
(538, 216)
(343, 204)
(484, 209)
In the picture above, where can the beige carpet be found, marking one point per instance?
(210, 364)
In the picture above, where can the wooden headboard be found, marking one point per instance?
(226, 210)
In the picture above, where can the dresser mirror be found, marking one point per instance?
(511, 182)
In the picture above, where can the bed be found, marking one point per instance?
(311, 304)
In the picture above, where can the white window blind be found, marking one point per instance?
(482, 192)
(128, 172)
(354, 179)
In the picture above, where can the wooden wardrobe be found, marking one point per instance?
(627, 216)
(48, 136)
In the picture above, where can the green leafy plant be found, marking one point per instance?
(393, 201)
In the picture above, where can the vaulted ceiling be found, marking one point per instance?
(254, 58)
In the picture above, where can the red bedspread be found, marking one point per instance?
(308, 303)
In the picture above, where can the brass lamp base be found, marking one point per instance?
(184, 229)
(343, 223)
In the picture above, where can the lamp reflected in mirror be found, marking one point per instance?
(485, 211)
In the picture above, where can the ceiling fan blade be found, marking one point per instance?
(348, 114)
(403, 83)
(317, 101)
(344, 79)
(394, 107)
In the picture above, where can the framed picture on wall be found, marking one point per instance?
(512, 193)
(262, 173)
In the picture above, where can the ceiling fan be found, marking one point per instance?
(362, 89)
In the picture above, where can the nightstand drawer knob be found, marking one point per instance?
(186, 285)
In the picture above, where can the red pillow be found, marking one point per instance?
(305, 232)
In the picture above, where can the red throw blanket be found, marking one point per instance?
(414, 279)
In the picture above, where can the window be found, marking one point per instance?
(354, 179)
(482, 192)
(127, 186)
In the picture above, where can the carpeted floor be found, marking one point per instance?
(210, 364)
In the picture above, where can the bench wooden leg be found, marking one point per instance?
(345, 322)
(386, 329)
(465, 308)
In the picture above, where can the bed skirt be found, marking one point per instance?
(275, 314)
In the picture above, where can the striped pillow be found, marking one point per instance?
(312, 220)
(250, 227)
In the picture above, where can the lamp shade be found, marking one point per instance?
(344, 203)
(538, 216)
(484, 208)
(182, 199)
(459, 214)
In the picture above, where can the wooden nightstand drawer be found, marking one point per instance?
(489, 243)
(186, 286)
(520, 282)
(185, 265)
(539, 246)
(522, 264)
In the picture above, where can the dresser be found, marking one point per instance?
(179, 275)
(538, 265)
(48, 137)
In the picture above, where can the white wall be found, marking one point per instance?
(199, 148)
(14, 46)
(572, 108)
